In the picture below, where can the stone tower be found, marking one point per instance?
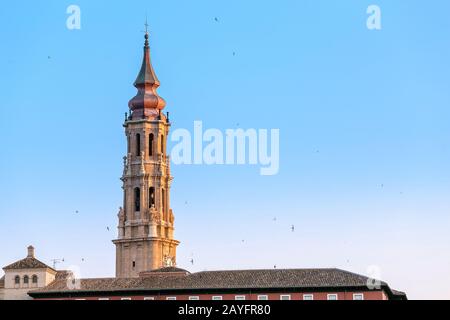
(146, 222)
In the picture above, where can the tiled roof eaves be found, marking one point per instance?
(156, 291)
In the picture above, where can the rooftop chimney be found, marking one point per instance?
(30, 252)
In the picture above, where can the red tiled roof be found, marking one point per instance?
(398, 293)
(219, 280)
(168, 269)
(62, 275)
(27, 263)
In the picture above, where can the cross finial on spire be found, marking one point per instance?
(146, 25)
(146, 32)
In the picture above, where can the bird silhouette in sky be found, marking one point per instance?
(192, 261)
(216, 19)
(292, 228)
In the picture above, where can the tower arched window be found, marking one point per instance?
(34, 279)
(26, 280)
(162, 144)
(163, 196)
(151, 198)
(137, 199)
(138, 145)
(150, 144)
(17, 280)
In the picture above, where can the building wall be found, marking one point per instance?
(20, 292)
(367, 295)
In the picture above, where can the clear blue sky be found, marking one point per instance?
(363, 118)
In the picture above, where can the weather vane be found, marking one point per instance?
(56, 261)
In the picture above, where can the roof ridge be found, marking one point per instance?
(351, 273)
(360, 275)
(271, 270)
(110, 278)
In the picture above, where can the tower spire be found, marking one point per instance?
(147, 102)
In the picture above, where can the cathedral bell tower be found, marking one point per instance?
(146, 222)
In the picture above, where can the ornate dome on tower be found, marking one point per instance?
(147, 103)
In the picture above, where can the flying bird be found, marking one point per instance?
(107, 228)
(216, 19)
(192, 261)
(293, 228)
